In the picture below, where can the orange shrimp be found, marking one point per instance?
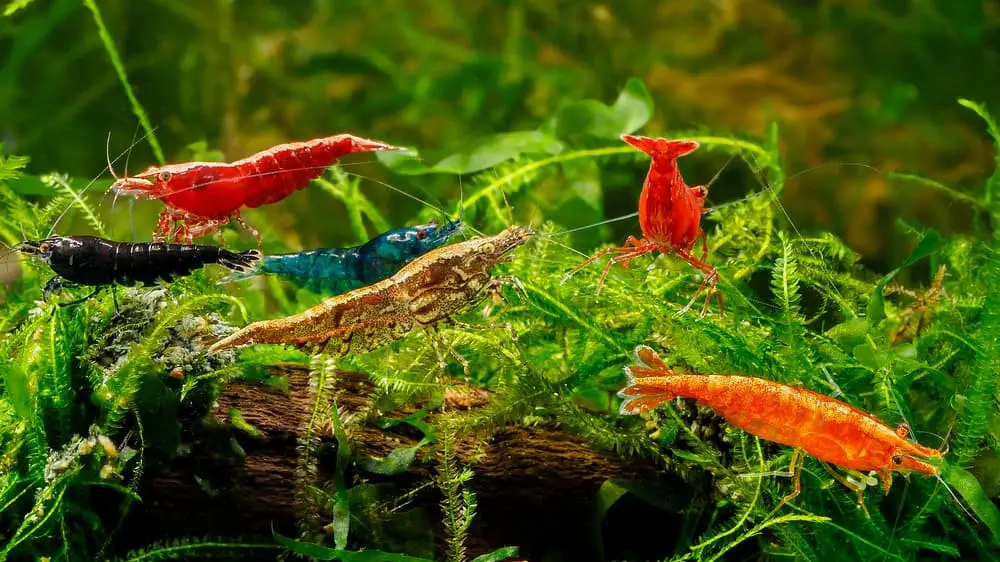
(826, 428)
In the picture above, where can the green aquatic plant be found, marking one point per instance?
(820, 320)
(89, 401)
(87, 396)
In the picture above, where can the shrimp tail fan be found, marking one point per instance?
(661, 148)
(645, 389)
(244, 266)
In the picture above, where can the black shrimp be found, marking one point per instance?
(98, 262)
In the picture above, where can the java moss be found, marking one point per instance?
(799, 308)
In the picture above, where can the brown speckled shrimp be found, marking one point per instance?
(424, 292)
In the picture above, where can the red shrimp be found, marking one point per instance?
(208, 195)
(826, 428)
(669, 214)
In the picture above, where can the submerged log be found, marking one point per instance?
(536, 487)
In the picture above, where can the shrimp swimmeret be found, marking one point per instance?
(826, 428)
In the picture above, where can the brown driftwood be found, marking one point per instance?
(536, 486)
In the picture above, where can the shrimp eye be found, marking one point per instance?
(897, 459)
(700, 190)
(44, 247)
(421, 234)
(164, 176)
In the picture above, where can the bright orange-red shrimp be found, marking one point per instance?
(669, 214)
(826, 428)
(207, 195)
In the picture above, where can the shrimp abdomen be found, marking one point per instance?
(824, 427)
(276, 173)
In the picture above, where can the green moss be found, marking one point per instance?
(798, 310)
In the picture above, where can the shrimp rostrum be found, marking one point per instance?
(815, 424)
(99, 263)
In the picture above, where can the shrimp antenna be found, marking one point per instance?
(461, 204)
(951, 493)
(510, 208)
(107, 156)
(111, 168)
(94, 179)
(715, 208)
(788, 217)
(128, 155)
(601, 223)
(405, 193)
(717, 175)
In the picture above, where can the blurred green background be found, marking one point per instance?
(862, 82)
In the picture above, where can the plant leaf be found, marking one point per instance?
(993, 183)
(497, 555)
(11, 167)
(320, 552)
(15, 386)
(341, 495)
(592, 118)
(16, 5)
(966, 485)
(634, 106)
(930, 243)
(481, 155)
(396, 462)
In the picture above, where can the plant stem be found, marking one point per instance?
(116, 62)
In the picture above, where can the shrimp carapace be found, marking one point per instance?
(669, 215)
(824, 427)
(207, 195)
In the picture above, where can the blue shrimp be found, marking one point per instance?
(333, 271)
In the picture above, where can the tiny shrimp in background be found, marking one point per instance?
(208, 195)
(813, 423)
(334, 271)
(669, 215)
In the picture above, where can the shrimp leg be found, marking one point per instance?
(795, 468)
(858, 489)
(195, 226)
(52, 286)
(164, 226)
(438, 342)
(711, 278)
(253, 231)
(495, 288)
(631, 243)
(625, 257)
(600, 254)
(57, 283)
(80, 300)
(632, 249)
